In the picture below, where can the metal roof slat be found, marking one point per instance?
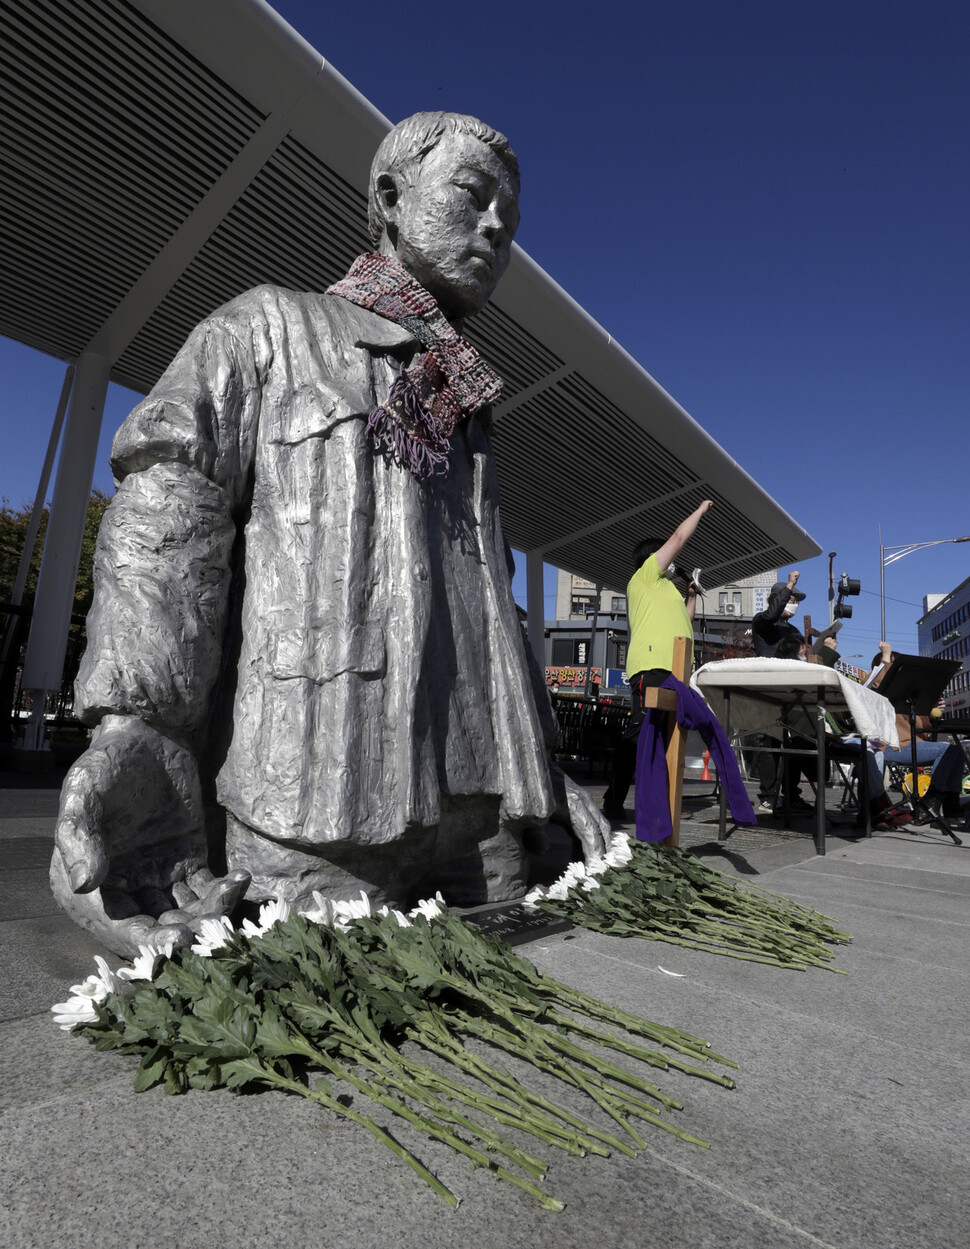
(37, 181)
(156, 56)
(128, 105)
(69, 153)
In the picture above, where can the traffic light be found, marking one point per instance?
(847, 586)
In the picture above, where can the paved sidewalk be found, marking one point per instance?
(849, 1127)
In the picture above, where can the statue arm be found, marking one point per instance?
(130, 861)
(162, 565)
(156, 627)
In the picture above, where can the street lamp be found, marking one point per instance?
(906, 548)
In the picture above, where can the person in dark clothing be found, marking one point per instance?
(771, 629)
(774, 623)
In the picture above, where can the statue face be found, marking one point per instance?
(452, 223)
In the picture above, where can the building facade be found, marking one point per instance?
(587, 640)
(944, 633)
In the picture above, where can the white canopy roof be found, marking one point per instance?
(164, 155)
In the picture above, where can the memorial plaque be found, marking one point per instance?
(515, 925)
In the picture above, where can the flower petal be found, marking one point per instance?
(213, 934)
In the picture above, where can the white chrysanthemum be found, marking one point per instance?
(557, 892)
(347, 910)
(77, 1009)
(402, 919)
(620, 852)
(574, 874)
(322, 910)
(143, 966)
(270, 913)
(534, 897)
(430, 908)
(596, 867)
(591, 883)
(108, 978)
(212, 935)
(93, 987)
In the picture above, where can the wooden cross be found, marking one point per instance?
(675, 738)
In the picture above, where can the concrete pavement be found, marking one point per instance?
(849, 1126)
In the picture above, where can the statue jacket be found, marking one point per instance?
(336, 640)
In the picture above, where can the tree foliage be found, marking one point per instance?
(738, 644)
(13, 534)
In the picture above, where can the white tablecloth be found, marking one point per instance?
(873, 715)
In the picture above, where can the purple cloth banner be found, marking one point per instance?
(652, 811)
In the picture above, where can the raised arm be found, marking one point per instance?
(778, 601)
(682, 535)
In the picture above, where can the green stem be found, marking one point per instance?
(590, 1137)
(274, 1077)
(431, 1128)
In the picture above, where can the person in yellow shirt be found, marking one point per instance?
(657, 612)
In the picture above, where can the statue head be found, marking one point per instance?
(443, 199)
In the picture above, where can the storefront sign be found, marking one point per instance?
(572, 677)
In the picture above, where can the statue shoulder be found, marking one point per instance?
(283, 313)
(265, 303)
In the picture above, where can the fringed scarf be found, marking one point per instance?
(447, 381)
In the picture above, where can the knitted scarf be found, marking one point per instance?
(447, 381)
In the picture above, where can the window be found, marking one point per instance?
(562, 652)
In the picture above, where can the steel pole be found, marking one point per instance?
(535, 605)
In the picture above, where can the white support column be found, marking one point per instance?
(51, 620)
(26, 555)
(536, 605)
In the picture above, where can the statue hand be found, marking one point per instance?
(576, 809)
(130, 858)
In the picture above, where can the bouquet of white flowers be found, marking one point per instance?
(311, 1003)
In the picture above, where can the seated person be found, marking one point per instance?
(882, 814)
(772, 626)
(946, 777)
(775, 637)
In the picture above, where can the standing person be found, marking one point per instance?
(770, 629)
(657, 613)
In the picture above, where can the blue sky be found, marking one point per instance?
(765, 202)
